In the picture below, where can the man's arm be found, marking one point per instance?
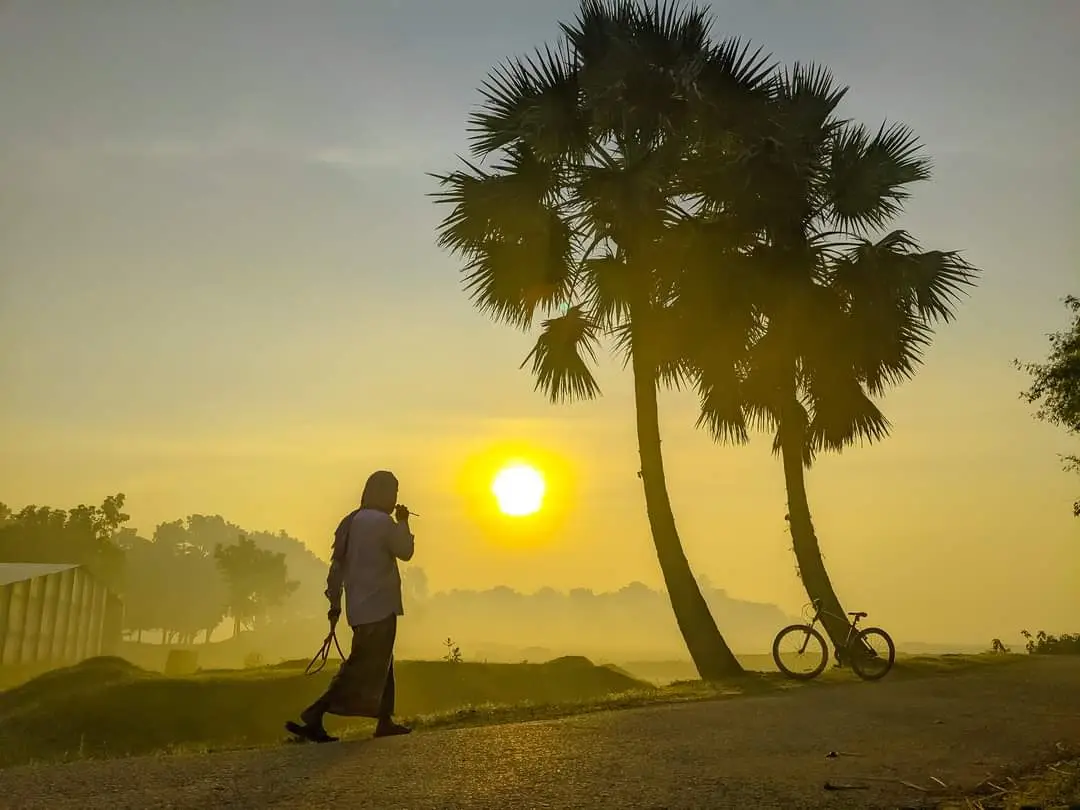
(335, 580)
(400, 541)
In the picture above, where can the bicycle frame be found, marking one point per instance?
(851, 647)
(819, 611)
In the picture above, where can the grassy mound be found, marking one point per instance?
(108, 707)
(75, 681)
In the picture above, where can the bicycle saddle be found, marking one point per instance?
(858, 614)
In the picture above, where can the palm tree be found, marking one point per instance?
(576, 220)
(842, 315)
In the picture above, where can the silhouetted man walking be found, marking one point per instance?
(367, 546)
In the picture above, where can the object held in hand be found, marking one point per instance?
(401, 512)
(319, 661)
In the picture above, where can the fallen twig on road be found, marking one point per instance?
(891, 779)
(831, 786)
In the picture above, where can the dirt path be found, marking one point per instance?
(750, 752)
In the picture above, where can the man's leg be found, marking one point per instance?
(386, 707)
(386, 726)
(312, 716)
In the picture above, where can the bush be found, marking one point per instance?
(1044, 644)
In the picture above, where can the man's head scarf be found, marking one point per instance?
(380, 491)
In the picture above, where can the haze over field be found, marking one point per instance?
(220, 294)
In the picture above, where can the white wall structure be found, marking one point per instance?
(52, 612)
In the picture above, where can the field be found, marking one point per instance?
(107, 707)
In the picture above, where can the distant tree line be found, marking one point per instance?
(183, 581)
(502, 623)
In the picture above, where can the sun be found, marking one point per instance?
(519, 490)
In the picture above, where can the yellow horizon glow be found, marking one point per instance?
(519, 490)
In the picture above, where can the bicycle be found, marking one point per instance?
(861, 648)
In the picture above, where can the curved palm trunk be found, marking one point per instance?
(807, 552)
(710, 653)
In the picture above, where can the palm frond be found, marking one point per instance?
(793, 417)
(723, 410)
(842, 413)
(628, 197)
(531, 100)
(868, 176)
(766, 386)
(562, 355)
(642, 66)
(511, 281)
(938, 280)
(519, 251)
(806, 96)
(608, 287)
(658, 335)
(732, 65)
(667, 330)
(509, 200)
(870, 330)
(894, 269)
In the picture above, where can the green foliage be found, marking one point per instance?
(171, 583)
(597, 183)
(1043, 643)
(1055, 384)
(837, 308)
(173, 586)
(255, 580)
(85, 535)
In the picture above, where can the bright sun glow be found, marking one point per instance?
(519, 490)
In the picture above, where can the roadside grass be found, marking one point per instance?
(107, 707)
(755, 683)
(1056, 785)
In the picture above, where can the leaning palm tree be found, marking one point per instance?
(572, 222)
(845, 309)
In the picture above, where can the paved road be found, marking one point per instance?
(753, 752)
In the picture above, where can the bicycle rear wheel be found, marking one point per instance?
(799, 652)
(871, 654)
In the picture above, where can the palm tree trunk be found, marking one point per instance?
(807, 552)
(711, 655)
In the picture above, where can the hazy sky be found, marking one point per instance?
(219, 293)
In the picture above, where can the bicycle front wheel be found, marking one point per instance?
(799, 652)
(871, 654)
